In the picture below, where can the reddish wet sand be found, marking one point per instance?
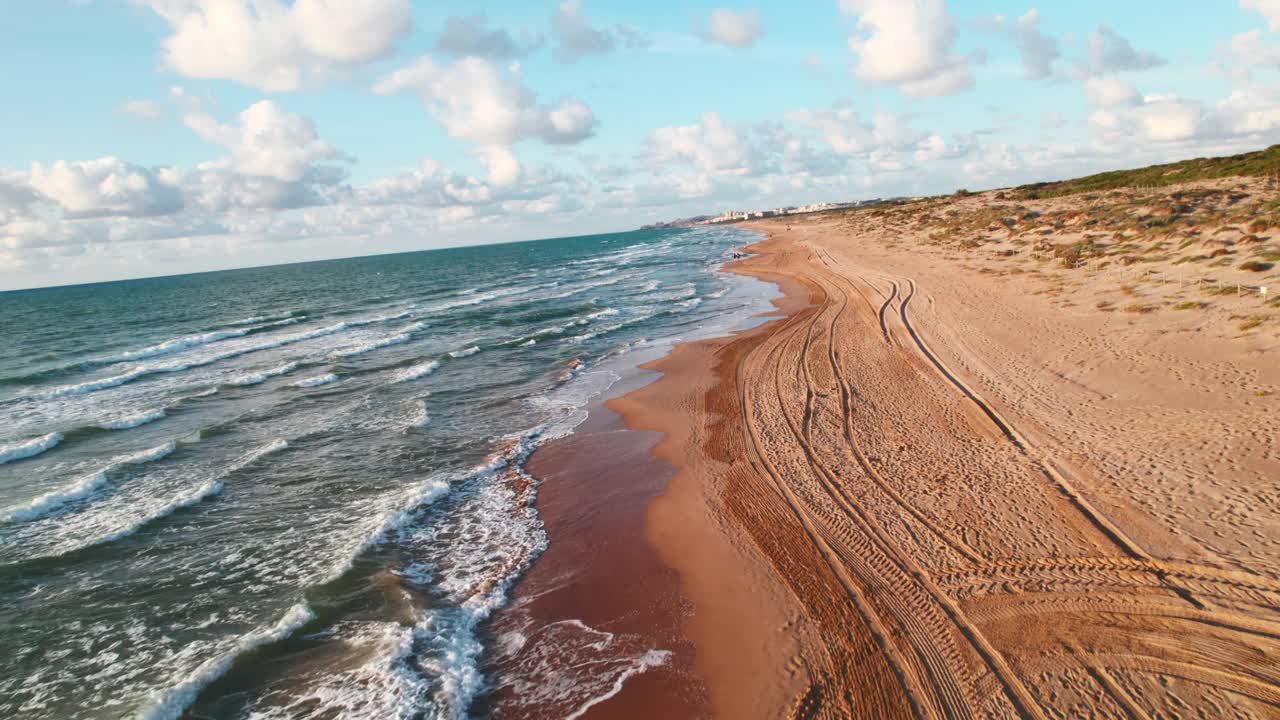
(633, 543)
(598, 570)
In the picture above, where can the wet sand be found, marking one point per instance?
(598, 609)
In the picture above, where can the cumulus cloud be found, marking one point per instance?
(1110, 92)
(276, 160)
(1110, 52)
(471, 36)
(575, 37)
(1039, 51)
(476, 101)
(711, 145)
(1269, 9)
(275, 46)
(1249, 116)
(17, 198)
(107, 186)
(428, 185)
(908, 43)
(266, 141)
(848, 134)
(733, 28)
(1251, 50)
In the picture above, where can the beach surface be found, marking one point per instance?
(953, 481)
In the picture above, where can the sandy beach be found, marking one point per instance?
(954, 481)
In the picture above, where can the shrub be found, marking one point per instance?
(1140, 308)
(1256, 266)
(1252, 322)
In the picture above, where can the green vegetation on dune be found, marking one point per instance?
(1254, 164)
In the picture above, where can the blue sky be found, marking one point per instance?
(151, 137)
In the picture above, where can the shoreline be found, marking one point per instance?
(621, 513)
(746, 626)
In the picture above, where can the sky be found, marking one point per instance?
(154, 137)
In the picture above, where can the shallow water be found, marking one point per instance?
(298, 491)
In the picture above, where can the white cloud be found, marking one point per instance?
(1251, 50)
(842, 129)
(849, 134)
(1248, 117)
(145, 109)
(266, 141)
(711, 145)
(732, 28)
(475, 101)
(908, 43)
(275, 46)
(1110, 52)
(107, 186)
(1270, 9)
(575, 37)
(429, 185)
(17, 198)
(471, 36)
(1110, 92)
(1039, 51)
(503, 167)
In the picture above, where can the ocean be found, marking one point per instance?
(299, 491)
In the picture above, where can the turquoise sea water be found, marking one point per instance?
(298, 491)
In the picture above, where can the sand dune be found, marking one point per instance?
(970, 497)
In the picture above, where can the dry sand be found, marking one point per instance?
(955, 481)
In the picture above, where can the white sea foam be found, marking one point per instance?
(529, 343)
(29, 448)
(272, 447)
(123, 516)
(170, 703)
(125, 422)
(374, 345)
(606, 329)
(178, 502)
(465, 352)
(316, 381)
(420, 417)
(262, 376)
(146, 456)
(389, 686)
(82, 488)
(379, 319)
(263, 318)
(416, 371)
(468, 300)
(391, 520)
(99, 384)
(177, 344)
(145, 370)
(54, 499)
(651, 659)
